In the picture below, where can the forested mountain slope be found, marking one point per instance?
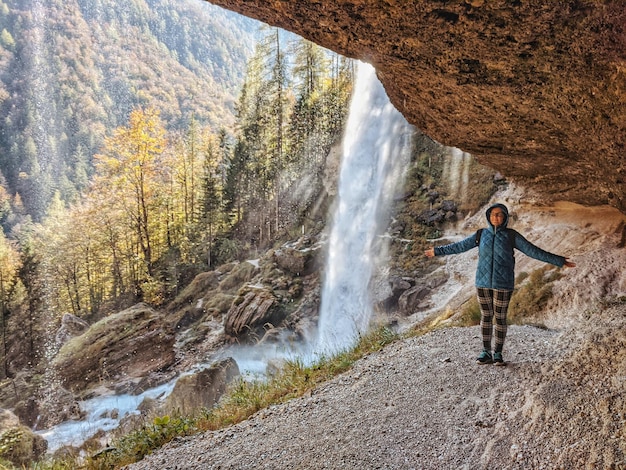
(71, 71)
(142, 146)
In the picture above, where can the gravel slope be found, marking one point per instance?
(419, 404)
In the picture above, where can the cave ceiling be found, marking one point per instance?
(533, 89)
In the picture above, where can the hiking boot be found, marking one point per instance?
(485, 357)
(498, 360)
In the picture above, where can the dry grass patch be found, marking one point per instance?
(531, 297)
(470, 313)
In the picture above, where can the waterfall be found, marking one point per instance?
(376, 149)
(456, 172)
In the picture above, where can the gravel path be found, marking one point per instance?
(421, 403)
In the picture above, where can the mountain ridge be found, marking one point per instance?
(73, 71)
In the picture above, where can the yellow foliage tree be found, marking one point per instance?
(129, 175)
(9, 265)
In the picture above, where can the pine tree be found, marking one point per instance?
(211, 198)
(310, 70)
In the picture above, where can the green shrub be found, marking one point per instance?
(137, 444)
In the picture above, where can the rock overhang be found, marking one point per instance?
(534, 89)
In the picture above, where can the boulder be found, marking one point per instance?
(18, 444)
(418, 296)
(431, 216)
(396, 286)
(202, 389)
(448, 205)
(291, 260)
(126, 345)
(71, 326)
(250, 313)
(188, 298)
(410, 300)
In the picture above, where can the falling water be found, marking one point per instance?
(456, 172)
(376, 150)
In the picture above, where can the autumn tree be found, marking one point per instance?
(128, 170)
(77, 263)
(9, 266)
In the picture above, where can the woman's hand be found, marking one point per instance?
(430, 252)
(569, 264)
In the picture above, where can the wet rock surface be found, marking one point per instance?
(126, 345)
(201, 389)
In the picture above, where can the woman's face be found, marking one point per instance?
(496, 217)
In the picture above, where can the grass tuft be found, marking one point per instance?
(470, 313)
(528, 302)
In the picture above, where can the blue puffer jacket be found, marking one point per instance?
(496, 260)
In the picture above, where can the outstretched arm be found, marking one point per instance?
(535, 252)
(453, 248)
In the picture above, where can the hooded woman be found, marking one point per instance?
(495, 274)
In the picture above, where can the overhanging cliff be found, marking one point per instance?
(535, 89)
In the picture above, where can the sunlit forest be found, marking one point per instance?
(72, 71)
(142, 146)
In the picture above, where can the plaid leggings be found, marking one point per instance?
(493, 302)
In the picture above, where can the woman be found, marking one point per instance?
(495, 274)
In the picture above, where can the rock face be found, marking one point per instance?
(250, 313)
(534, 89)
(71, 326)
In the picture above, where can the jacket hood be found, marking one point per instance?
(506, 215)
